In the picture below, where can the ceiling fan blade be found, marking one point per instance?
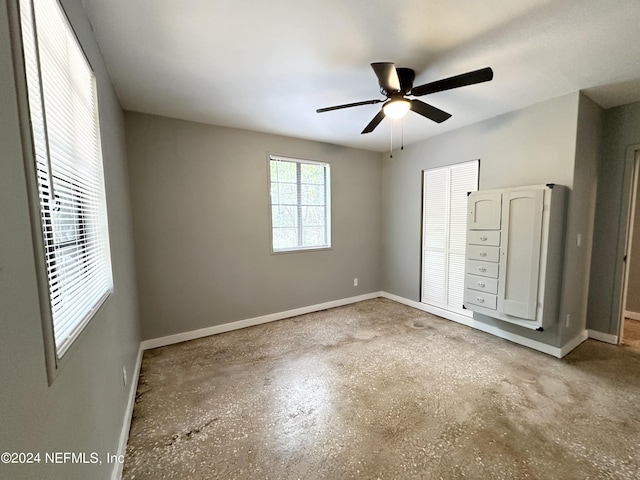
(462, 80)
(348, 105)
(374, 123)
(429, 111)
(387, 76)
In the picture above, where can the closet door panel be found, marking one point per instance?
(435, 220)
(455, 282)
(434, 277)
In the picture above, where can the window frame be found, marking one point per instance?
(327, 204)
(42, 212)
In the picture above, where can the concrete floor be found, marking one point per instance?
(631, 333)
(381, 390)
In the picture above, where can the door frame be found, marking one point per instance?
(625, 234)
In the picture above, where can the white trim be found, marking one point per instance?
(603, 337)
(628, 251)
(631, 166)
(631, 315)
(299, 205)
(456, 317)
(250, 322)
(116, 474)
(573, 343)
(470, 322)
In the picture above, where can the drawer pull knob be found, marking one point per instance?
(483, 254)
(482, 269)
(483, 238)
(481, 285)
(480, 299)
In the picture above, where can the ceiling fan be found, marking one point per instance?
(396, 83)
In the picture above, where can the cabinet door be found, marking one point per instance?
(520, 262)
(484, 211)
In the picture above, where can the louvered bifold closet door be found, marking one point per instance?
(463, 178)
(435, 220)
(444, 227)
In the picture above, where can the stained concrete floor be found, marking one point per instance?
(631, 333)
(381, 390)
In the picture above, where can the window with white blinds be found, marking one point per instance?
(68, 163)
(300, 204)
(444, 231)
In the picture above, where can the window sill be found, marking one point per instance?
(301, 250)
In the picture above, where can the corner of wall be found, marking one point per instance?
(580, 219)
(621, 131)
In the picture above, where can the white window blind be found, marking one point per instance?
(444, 230)
(300, 204)
(64, 119)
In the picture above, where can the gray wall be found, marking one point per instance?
(200, 200)
(621, 132)
(536, 145)
(633, 286)
(580, 221)
(83, 410)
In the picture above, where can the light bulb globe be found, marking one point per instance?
(396, 108)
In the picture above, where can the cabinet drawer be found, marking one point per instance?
(483, 253)
(484, 237)
(481, 299)
(482, 284)
(485, 269)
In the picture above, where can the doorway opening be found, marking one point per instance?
(629, 330)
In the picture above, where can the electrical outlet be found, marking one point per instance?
(579, 239)
(124, 375)
(355, 282)
(568, 320)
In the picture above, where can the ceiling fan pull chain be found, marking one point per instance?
(391, 140)
(402, 135)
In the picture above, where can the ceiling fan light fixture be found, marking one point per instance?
(397, 82)
(396, 108)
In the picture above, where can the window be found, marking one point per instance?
(63, 110)
(444, 233)
(300, 204)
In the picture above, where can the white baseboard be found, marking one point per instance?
(471, 322)
(116, 474)
(456, 317)
(573, 343)
(603, 337)
(250, 322)
(558, 352)
(632, 315)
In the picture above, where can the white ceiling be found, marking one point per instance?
(268, 65)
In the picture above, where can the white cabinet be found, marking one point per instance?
(514, 253)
